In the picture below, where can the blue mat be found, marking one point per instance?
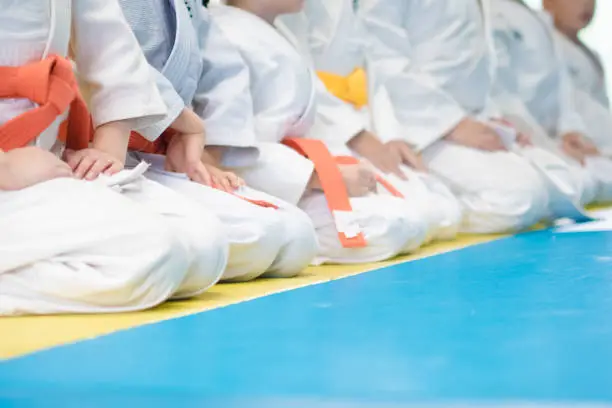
(527, 318)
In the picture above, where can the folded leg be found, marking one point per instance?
(430, 198)
(68, 246)
(499, 191)
(199, 229)
(389, 227)
(259, 237)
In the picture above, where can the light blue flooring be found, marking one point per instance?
(523, 319)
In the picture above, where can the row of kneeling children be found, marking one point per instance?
(152, 148)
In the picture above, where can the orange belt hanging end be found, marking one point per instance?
(338, 201)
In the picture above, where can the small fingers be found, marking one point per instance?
(83, 166)
(412, 159)
(226, 184)
(202, 175)
(115, 167)
(202, 178)
(73, 159)
(215, 182)
(390, 167)
(235, 181)
(97, 168)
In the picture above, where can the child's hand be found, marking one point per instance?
(188, 122)
(477, 135)
(183, 156)
(367, 145)
(89, 163)
(107, 154)
(224, 180)
(523, 139)
(402, 151)
(185, 148)
(589, 148)
(221, 179)
(358, 179)
(25, 167)
(578, 147)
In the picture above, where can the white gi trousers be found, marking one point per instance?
(68, 246)
(390, 227)
(499, 191)
(264, 242)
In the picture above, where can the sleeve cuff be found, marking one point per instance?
(280, 172)
(153, 131)
(233, 136)
(421, 137)
(140, 113)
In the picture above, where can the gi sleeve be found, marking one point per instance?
(223, 99)
(425, 112)
(118, 80)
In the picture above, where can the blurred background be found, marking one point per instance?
(597, 35)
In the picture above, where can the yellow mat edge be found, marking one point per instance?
(30, 334)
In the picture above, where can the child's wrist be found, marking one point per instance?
(188, 122)
(113, 138)
(364, 142)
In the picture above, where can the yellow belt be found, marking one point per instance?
(352, 88)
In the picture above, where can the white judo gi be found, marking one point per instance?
(70, 246)
(532, 72)
(331, 37)
(586, 69)
(197, 67)
(587, 73)
(506, 94)
(434, 61)
(285, 92)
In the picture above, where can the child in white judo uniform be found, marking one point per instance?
(585, 68)
(532, 68)
(75, 246)
(353, 224)
(205, 84)
(434, 61)
(331, 37)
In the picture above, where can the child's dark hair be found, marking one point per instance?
(205, 3)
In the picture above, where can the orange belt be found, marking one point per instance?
(331, 182)
(352, 88)
(388, 186)
(260, 203)
(139, 144)
(51, 84)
